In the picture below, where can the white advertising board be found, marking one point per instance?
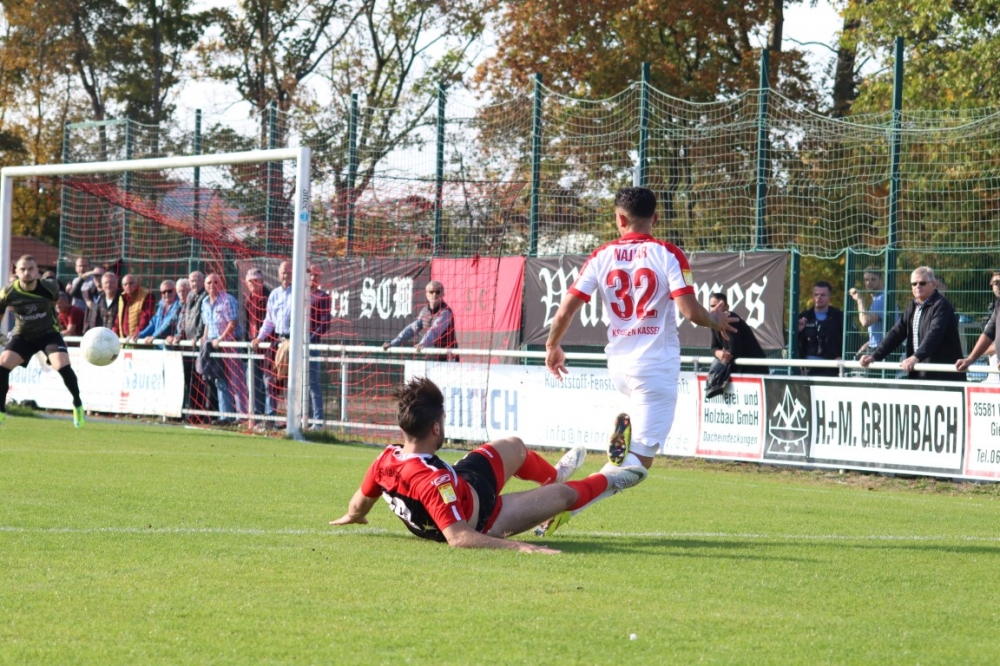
(732, 423)
(140, 381)
(495, 401)
(982, 453)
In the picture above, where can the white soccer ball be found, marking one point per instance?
(100, 346)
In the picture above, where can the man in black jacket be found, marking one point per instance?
(821, 331)
(741, 344)
(930, 328)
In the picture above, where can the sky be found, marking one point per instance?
(803, 23)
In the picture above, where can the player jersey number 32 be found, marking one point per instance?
(639, 277)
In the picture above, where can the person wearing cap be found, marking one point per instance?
(276, 326)
(166, 319)
(433, 327)
(254, 312)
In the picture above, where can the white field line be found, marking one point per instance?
(337, 532)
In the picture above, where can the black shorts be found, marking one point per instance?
(50, 343)
(480, 470)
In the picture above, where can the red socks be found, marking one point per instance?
(536, 468)
(587, 489)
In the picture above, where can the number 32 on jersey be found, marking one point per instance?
(633, 293)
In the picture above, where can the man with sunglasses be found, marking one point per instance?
(435, 322)
(166, 318)
(930, 328)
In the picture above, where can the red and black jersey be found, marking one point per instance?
(423, 490)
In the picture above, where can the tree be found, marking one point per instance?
(154, 42)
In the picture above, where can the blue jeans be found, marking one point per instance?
(316, 389)
(259, 392)
(232, 390)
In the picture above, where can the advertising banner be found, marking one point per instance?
(140, 381)
(754, 285)
(485, 296)
(898, 426)
(732, 423)
(982, 453)
(489, 402)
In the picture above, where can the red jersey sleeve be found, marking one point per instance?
(439, 496)
(369, 485)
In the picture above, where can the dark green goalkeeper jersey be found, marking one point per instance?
(34, 311)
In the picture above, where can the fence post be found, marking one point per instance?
(760, 210)
(269, 175)
(439, 173)
(794, 273)
(895, 141)
(644, 128)
(536, 165)
(850, 308)
(352, 171)
(63, 204)
(127, 177)
(196, 213)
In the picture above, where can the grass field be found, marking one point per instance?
(129, 544)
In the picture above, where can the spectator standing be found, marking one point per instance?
(220, 314)
(70, 316)
(275, 329)
(254, 312)
(871, 313)
(991, 351)
(930, 328)
(105, 310)
(821, 331)
(165, 320)
(319, 325)
(85, 288)
(135, 307)
(986, 344)
(741, 344)
(196, 393)
(435, 324)
(183, 289)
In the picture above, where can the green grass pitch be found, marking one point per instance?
(131, 544)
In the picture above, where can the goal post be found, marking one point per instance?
(298, 248)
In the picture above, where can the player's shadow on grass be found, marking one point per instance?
(670, 547)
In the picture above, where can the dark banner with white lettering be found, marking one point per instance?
(901, 426)
(754, 285)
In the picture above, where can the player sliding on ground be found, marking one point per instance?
(461, 504)
(36, 328)
(642, 281)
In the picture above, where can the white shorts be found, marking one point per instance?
(652, 399)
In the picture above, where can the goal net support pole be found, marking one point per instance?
(299, 332)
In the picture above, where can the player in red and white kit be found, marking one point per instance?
(461, 504)
(643, 282)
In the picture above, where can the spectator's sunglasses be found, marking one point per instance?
(166, 291)
(433, 291)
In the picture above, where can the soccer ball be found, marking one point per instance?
(100, 346)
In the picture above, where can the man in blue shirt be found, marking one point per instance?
(275, 329)
(873, 316)
(220, 315)
(166, 319)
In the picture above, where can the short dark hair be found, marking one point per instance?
(637, 202)
(719, 296)
(823, 283)
(421, 405)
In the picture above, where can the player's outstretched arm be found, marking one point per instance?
(982, 344)
(555, 357)
(359, 507)
(460, 535)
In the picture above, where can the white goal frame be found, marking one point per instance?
(298, 335)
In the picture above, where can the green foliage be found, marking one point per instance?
(132, 544)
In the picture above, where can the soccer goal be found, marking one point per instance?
(161, 219)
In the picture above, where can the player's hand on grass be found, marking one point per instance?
(525, 547)
(348, 519)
